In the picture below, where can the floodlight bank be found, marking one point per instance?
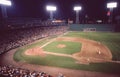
(5, 2)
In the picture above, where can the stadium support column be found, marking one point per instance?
(4, 15)
(111, 6)
(110, 20)
(4, 12)
(51, 15)
(77, 17)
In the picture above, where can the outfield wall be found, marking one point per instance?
(97, 27)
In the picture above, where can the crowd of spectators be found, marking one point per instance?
(10, 71)
(19, 32)
(11, 39)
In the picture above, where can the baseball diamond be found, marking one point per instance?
(59, 38)
(70, 51)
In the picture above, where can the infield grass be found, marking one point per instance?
(70, 47)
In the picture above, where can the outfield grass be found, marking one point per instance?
(111, 40)
(71, 47)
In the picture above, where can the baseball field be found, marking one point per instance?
(91, 51)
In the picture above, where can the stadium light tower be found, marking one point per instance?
(111, 6)
(51, 9)
(3, 4)
(77, 9)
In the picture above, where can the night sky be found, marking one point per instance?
(95, 9)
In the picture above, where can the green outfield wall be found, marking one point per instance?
(92, 27)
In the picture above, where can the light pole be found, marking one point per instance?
(111, 6)
(51, 9)
(4, 3)
(77, 9)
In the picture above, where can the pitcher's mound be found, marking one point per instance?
(61, 46)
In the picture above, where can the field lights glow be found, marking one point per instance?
(5, 2)
(112, 5)
(51, 8)
(77, 8)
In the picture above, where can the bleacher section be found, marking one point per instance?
(15, 23)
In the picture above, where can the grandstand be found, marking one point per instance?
(19, 32)
(14, 36)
